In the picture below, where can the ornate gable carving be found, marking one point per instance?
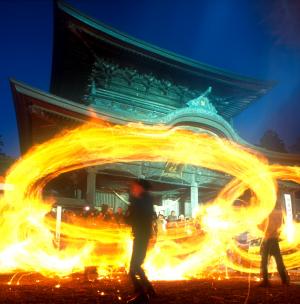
(109, 75)
(203, 102)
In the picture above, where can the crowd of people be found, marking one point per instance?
(161, 223)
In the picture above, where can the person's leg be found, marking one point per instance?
(145, 282)
(140, 271)
(135, 265)
(264, 262)
(279, 262)
(140, 283)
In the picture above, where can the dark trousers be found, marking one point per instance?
(136, 272)
(269, 248)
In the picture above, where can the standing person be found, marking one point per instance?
(109, 215)
(140, 216)
(119, 216)
(270, 246)
(172, 220)
(161, 224)
(172, 217)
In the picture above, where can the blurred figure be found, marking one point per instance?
(140, 217)
(172, 220)
(119, 216)
(109, 215)
(181, 218)
(91, 219)
(154, 227)
(161, 224)
(104, 209)
(270, 246)
(172, 217)
(2, 186)
(181, 221)
(99, 217)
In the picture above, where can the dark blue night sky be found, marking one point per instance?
(254, 38)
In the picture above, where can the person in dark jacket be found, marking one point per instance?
(140, 217)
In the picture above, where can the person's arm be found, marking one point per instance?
(263, 225)
(128, 216)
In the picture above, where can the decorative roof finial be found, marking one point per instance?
(202, 101)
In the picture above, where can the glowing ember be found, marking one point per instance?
(27, 236)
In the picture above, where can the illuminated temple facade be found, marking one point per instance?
(100, 73)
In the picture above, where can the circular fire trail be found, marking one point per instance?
(27, 235)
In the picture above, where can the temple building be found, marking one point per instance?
(100, 73)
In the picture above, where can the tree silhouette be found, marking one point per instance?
(271, 141)
(1, 145)
(295, 148)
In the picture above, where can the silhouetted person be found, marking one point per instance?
(119, 216)
(172, 220)
(140, 216)
(161, 224)
(104, 209)
(270, 246)
(172, 217)
(109, 215)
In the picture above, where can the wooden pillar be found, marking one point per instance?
(194, 196)
(91, 186)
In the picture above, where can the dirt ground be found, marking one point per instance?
(26, 288)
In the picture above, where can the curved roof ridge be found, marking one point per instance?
(192, 63)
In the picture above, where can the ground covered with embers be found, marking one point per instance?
(36, 289)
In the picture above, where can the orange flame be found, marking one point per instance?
(27, 237)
